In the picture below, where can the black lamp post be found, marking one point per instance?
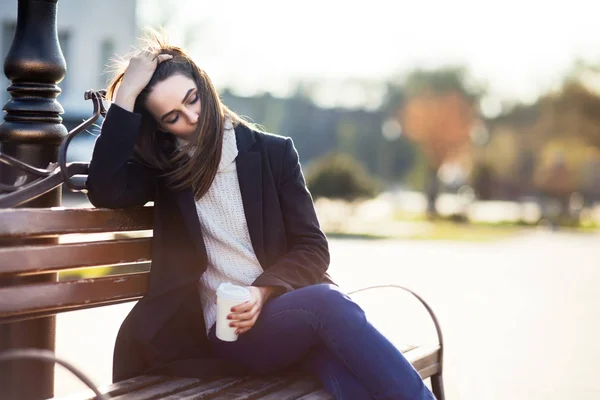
(31, 132)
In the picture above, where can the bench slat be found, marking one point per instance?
(430, 371)
(267, 388)
(317, 395)
(34, 300)
(161, 390)
(52, 257)
(132, 385)
(255, 388)
(28, 222)
(295, 390)
(405, 348)
(423, 357)
(207, 390)
(116, 389)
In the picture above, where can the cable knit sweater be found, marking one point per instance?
(230, 254)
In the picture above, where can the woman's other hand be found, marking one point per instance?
(244, 316)
(137, 75)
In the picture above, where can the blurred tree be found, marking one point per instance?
(483, 181)
(556, 181)
(339, 176)
(418, 176)
(590, 177)
(567, 123)
(572, 111)
(437, 111)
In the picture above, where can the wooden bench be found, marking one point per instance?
(122, 239)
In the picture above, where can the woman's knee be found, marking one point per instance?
(329, 299)
(324, 293)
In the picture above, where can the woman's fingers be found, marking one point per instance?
(151, 56)
(240, 331)
(147, 55)
(246, 306)
(242, 309)
(244, 324)
(245, 315)
(245, 320)
(164, 57)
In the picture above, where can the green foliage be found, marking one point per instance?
(339, 176)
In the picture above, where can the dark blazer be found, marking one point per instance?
(165, 332)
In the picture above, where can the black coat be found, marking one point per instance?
(165, 332)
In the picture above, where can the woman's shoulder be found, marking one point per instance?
(253, 137)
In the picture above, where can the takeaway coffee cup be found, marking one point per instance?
(228, 295)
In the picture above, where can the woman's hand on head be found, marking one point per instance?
(244, 316)
(137, 75)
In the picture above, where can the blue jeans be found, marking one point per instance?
(326, 332)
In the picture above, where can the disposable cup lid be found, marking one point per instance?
(233, 292)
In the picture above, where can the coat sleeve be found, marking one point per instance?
(307, 259)
(114, 179)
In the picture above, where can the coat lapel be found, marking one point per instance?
(187, 205)
(249, 171)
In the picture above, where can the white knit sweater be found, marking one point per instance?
(231, 257)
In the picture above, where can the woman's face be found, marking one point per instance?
(175, 105)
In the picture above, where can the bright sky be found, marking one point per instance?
(520, 47)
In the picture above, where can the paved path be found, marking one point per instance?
(520, 316)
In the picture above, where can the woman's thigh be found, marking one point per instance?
(285, 331)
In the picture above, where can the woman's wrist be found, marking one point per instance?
(125, 98)
(267, 291)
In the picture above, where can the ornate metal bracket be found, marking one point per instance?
(56, 173)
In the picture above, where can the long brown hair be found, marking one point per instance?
(157, 149)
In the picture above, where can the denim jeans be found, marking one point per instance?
(325, 331)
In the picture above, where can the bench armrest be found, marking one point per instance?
(421, 300)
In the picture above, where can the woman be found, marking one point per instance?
(230, 205)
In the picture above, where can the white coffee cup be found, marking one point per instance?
(228, 295)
